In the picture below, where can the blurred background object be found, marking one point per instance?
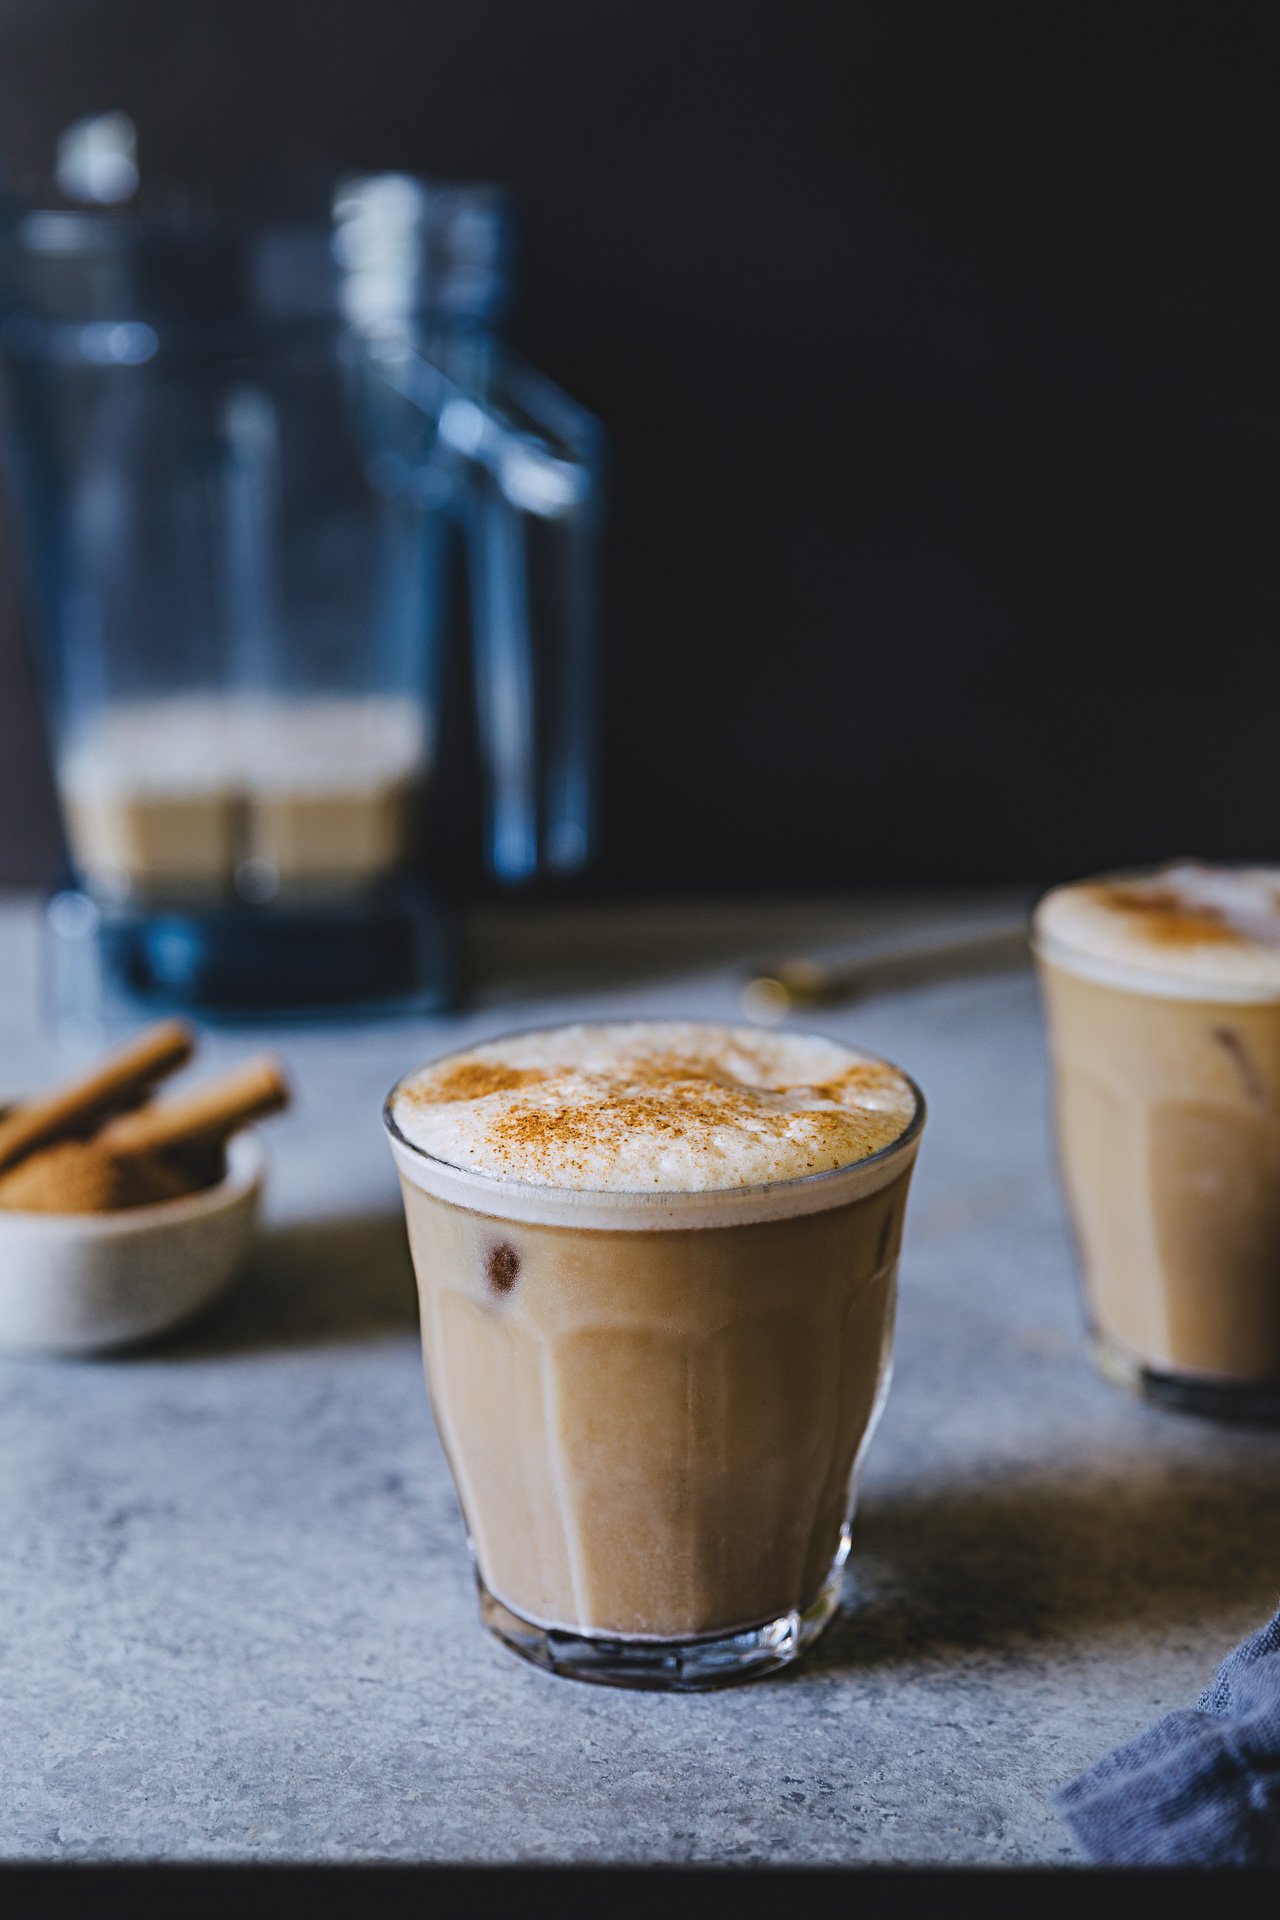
(252, 456)
(97, 161)
(935, 345)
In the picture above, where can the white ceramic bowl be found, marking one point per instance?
(80, 1282)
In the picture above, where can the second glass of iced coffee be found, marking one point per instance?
(657, 1266)
(1163, 997)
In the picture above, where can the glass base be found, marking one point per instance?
(669, 1666)
(392, 951)
(1245, 1401)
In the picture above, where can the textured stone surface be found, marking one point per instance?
(236, 1618)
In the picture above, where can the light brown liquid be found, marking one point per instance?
(197, 797)
(166, 843)
(1168, 1113)
(194, 844)
(334, 837)
(656, 1433)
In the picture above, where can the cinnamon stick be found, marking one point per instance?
(118, 1081)
(210, 1114)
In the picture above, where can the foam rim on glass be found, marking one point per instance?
(647, 1210)
(1138, 979)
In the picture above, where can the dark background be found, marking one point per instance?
(937, 346)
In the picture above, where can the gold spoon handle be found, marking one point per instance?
(883, 966)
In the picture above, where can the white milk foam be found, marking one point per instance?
(1186, 931)
(191, 744)
(652, 1124)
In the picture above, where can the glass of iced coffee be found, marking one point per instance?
(1163, 998)
(656, 1264)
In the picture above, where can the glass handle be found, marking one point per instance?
(527, 462)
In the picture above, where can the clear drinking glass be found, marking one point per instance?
(656, 1405)
(258, 469)
(1167, 1109)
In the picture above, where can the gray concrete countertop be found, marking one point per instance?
(236, 1615)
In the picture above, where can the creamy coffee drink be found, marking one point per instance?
(202, 794)
(1163, 1001)
(656, 1264)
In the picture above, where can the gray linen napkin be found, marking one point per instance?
(1199, 1788)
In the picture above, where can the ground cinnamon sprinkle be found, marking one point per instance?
(1168, 919)
(628, 1105)
(864, 1076)
(473, 1080)
(681, 1098)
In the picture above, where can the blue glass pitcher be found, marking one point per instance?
(254, 467)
